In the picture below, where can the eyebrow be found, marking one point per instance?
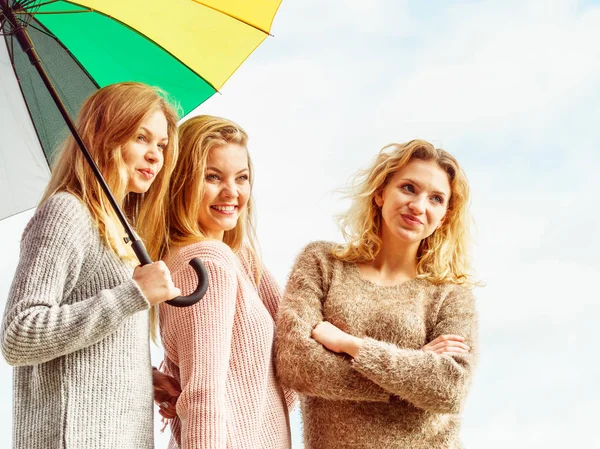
(437, 192)
(151, 133)
(219, 171)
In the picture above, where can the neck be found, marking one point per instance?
(397, 257)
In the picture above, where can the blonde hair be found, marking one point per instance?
(444, 255)
(197, 137)
(108, 119)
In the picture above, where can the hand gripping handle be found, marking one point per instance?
(181, 301)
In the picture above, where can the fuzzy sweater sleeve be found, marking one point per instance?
(39, 323)
(433, 382)
(202, 336)
(301, 362)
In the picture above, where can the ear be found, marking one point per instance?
(378, 198)
(441, 222)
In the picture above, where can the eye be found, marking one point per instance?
(437, 199)
(408, 187)
(212, 177)
(141, 138)
(162, 146)
(243, 178)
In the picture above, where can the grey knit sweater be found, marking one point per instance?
(391, 395)
(82, 376)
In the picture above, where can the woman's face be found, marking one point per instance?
(226, 189)
(143, 153)
(414, 202)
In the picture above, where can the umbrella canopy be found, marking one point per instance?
(188, 48)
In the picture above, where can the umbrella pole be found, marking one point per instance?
(136, 244)
(27, 46)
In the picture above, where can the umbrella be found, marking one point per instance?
(56, 53)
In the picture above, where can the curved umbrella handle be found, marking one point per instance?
(196, 295)
(181, 301)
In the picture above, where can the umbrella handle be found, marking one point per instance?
(181, 301)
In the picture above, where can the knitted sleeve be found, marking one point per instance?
(270, 294)
(201, 336)
(433, 382)
(301, 362)
(39, 324)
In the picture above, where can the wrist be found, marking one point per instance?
(353, 345)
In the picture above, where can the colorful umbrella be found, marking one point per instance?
(188, 48)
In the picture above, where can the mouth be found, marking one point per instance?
(146, 172)
(225, 209)
(411, 220)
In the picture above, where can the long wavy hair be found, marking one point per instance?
(442, 257)
(108, 119)
(197, 137)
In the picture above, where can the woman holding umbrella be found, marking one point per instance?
(72, 325)
(379, 335)
(220, 349)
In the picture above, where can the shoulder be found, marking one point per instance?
(63, 204)
(61, 214)
(320, 250)
(211, 252)
(458, 291)
(316, 261)
(456, 297)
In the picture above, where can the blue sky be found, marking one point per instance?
(512, 89)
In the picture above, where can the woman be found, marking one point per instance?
(72, 325)
(378, 335)
(220, 350)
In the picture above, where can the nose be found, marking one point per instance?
(153, 155)
(230, 189)
(417, 205)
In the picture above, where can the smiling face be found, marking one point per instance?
(143, 153)
(226, 189)
(414, 202)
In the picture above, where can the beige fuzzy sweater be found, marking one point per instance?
(392, 395)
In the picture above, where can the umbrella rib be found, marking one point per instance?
(56, 12)
(19, 83)
(27, 4)
(30, 6)
(47, 33)
(233, 17)
(12, 51)
(45, 30)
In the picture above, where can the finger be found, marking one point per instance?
(163, 396)
(167, 410)
(448, 337)
(174, 292)
(435, 347)
(175, 388)
(454, 352)
(168, 414)
(454, 344)
(446, 344)
(172, 387)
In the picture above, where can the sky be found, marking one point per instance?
(512, 89)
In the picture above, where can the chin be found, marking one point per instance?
(139, 189)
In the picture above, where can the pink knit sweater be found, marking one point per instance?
(221, 352)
